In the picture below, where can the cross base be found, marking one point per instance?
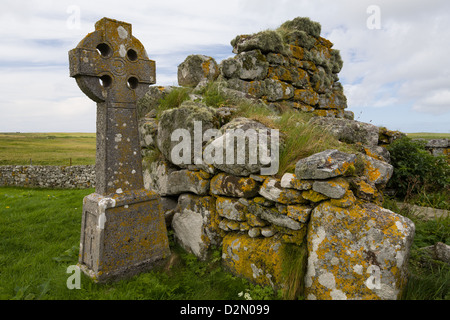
(122, 235)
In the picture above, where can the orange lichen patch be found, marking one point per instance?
(324, 42)
(257, 259)
(372, 154)
(279, 73)
(325, 113)
(307, 96)
(347, 201)
(297, 52)
(308, 65)
(313, 196)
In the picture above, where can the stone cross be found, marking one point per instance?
(123, 229)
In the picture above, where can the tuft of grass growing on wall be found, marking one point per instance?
(303, 140)
(293, 269)
(173, 99)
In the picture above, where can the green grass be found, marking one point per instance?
(429, 279)
(428, 135)
(40, 234)
(47, 148)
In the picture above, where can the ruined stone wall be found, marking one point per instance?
(290, 67)
(331, 205)
(67, 177)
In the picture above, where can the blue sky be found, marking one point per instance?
(396, 60)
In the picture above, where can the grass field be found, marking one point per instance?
(59, 148)
(47, 148)
(428, 135)
(40, 234)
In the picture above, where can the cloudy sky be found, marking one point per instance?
(396, 53)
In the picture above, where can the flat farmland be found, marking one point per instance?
(47, 148)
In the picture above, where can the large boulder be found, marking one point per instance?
(197, 68)
(359, 252)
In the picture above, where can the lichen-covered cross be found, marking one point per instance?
(112, 68)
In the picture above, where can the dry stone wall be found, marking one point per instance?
(66, 177)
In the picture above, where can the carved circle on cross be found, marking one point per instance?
(111, 65)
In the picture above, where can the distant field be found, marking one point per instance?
(58, 148)
(47, 148)
(427, 135)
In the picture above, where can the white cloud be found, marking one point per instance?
(404, 63)
(437, 103)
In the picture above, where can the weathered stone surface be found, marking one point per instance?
(335, 188)
(333, 100)
(324, 165)
(233, 186)
(266, 41)
(184, 118)
(347, 201)
(165, 179)
(230, 68)
(273, 216)
(156, 175)
(197, 68)
(257, 259)
(289, 180)
(146, 106)
(148, 129)
(196, 224)
(188, 181)
(254, 65)
(306, 96)
(272, 190)
(363, 188)
(378, 172)
(357, 253)
(231, 209)
(255, 89)
(278, 90)
(349, 131)
(439, 251)
(240, 146)
(299, 213)
(314, 196)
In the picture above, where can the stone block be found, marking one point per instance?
(122, 235)
(257, 259)
(323, 165)
(358, 253)
(196, 224)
